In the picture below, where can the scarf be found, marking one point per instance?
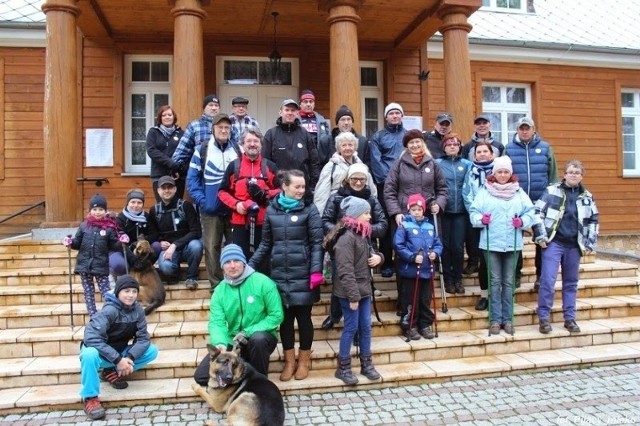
(307, 114)
(503, 191)
(417, 158)
(287, 203)
(364, 193)
(104, 223)
(484, 169)
(139, 217)
(167, 131)
(361, 228)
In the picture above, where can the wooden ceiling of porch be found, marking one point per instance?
(392, 23)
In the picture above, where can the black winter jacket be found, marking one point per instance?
(133, 229)
(94, 244)
(332, 212)
(293, 244)
(172, 226)
(160, 148)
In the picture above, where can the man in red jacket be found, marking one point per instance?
(248, 184)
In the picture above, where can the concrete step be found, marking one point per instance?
(420, 368)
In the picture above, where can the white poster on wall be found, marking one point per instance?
(99, 148)
(412, 122)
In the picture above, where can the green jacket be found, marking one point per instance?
(252, 306)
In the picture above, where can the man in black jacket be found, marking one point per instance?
(175, 225)
(344, 123)
(442, 127)
(482, 125)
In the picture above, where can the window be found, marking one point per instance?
(371, 90)
(148, 87)
(257, 72)
(509, 5)
(630, 102)
(505, 103)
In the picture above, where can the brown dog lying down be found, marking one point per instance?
(152, 292)
(237, 389)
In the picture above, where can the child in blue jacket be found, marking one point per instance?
(414, 242)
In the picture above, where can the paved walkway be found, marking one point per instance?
(608, 395)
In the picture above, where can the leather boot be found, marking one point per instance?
(344, 371)
(367, 369)
(304, 364)
(289, 365)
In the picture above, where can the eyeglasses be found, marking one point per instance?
(356, 180)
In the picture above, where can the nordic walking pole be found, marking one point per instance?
(415, 296)
(433, 299)
(488, 262)
(70, 284)
(515, 264)
(124, 254)
(440, 277)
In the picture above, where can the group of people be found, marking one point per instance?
(266, 210)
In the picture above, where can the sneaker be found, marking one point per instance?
(508, 328)
(387, 272)
(459, 287)
(110, 375)
(450, 288)
(572, 326)
(93, 408)
(470, 269)
(545, 326)
(412, 334)
(495, 328)
(377, 293)
(328, 323)
(191, 284)
(482, 304)
(427, 333)
(536, 285)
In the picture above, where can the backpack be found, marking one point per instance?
(263, 170)
(160, 210)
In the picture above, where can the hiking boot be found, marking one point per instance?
(545, 326)
(191, 284)
(427, 333)
(412, 334)
(495, 328)
(110, 375)
(344, 373)
(450, 288)
(470, 269)
(459, 287)
(328, 323)
(508, 328)
(387, 272)
(571, 326)
(536, 285)
(93, 408)
(367, 369)
(482, 304)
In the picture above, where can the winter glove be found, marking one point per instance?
(256, 193)
(315, 280)
(241, 339)
(517, 222)
(486, 219)
(124, 239)
(67, 241)
(251, 206)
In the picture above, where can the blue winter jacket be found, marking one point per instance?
(455, 170)
(384, 149)
(203, 187)
(409, 239)
(534, 163)
(501, 230)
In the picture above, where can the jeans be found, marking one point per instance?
(192, 254)
(215, 229)
(118, 265)
(356, 321)
(553, 257)
(453, 233)
(501, 285)
(91, 362)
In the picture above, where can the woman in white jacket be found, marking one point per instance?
(334, 172)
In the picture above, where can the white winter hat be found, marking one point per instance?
(391, 107)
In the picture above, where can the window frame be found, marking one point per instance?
(148, 88)
(634, 113)
(504, 108)
(493, 7)
(372, 92)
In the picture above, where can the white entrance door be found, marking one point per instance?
(264, 100)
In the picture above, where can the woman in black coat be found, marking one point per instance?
(355, 184)
(162, 141)
(292, 242)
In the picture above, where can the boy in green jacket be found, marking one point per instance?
(245, 309)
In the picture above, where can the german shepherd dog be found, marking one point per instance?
(237, 389)
(152, 292)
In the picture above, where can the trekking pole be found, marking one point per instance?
(253, 213)
(415, 297)
(488, 262)
(440, 277)
(124, 254)
(433, 299)
(515, 264)
(70, 284)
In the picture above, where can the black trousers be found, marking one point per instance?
(423, 315)
(538, 263)
(472, 243)
(257, 352)
(301, 314)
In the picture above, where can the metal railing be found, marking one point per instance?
(24, 210)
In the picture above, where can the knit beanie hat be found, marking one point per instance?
(342, 111)
(502, 163)
(232, 252)
(125, 281)
(138, 194)
(416, 200)
(393, 106)
(354, 206)
(357, 168)
(98, 200)
(210, 98)
(410, 135)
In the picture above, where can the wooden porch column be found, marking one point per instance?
(457, 67)
(62, 148)
(344, 78)
(188, 59)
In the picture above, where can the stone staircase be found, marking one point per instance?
(39, 348)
